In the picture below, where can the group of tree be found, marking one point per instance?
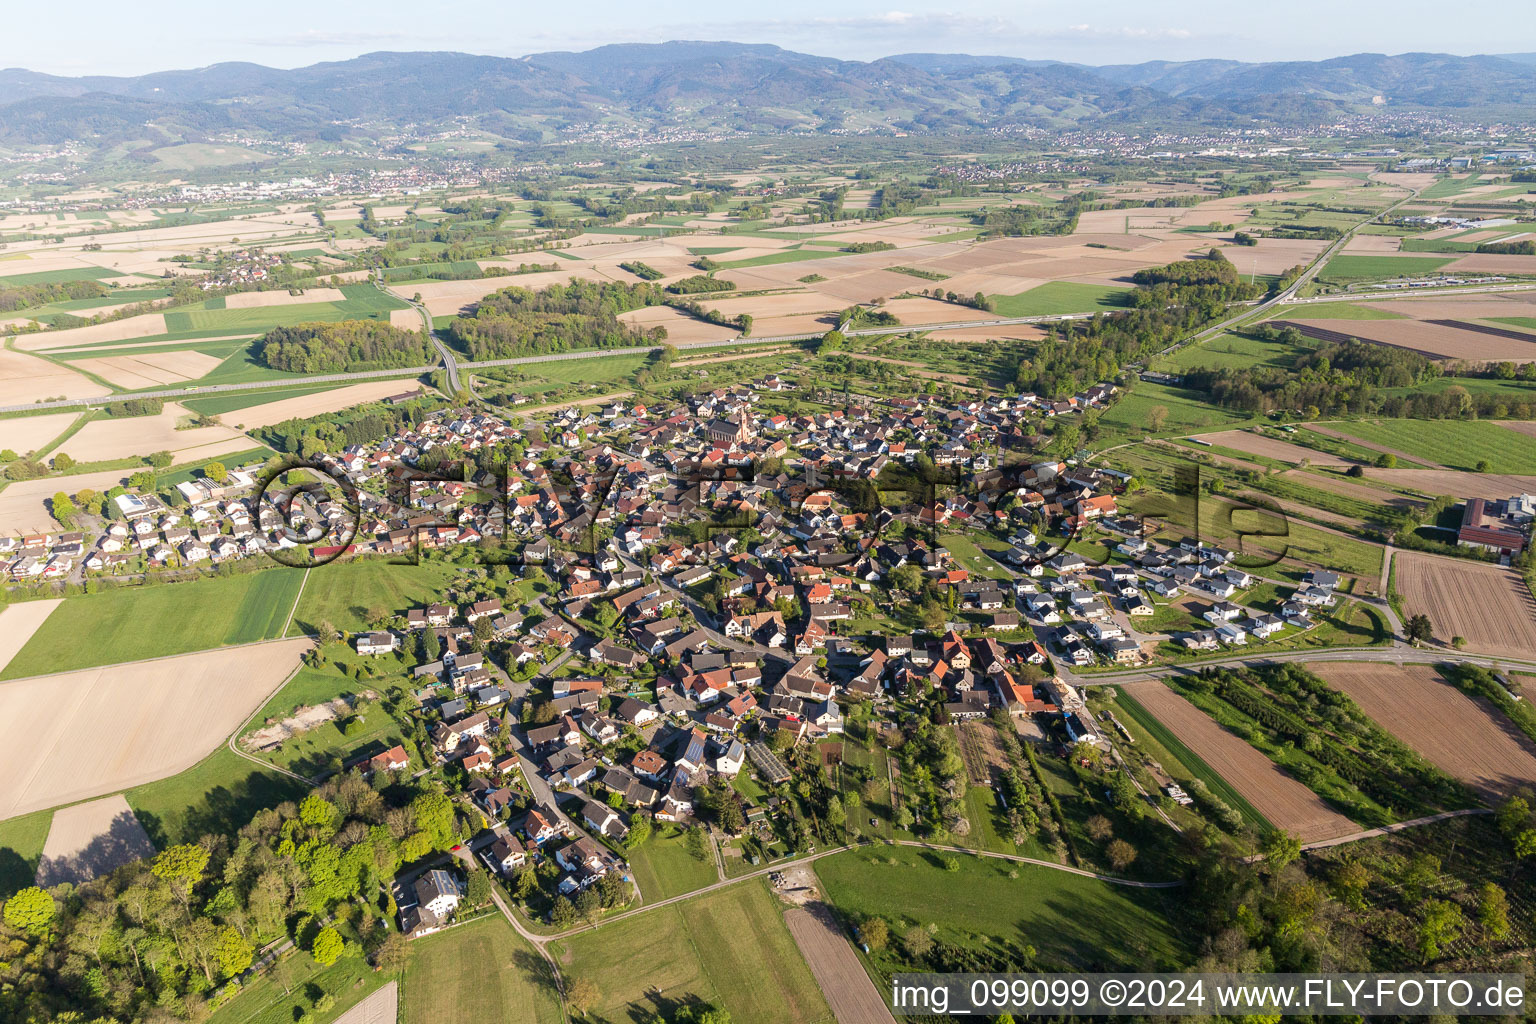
(700, 284)
(161, 938)
(560, 318)
(344, 346)
(25, 296)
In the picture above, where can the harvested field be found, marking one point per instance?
(1470, 740)
(1431, 339)
(1487, 605)
(852, 997)
(447, 297)
(1272, 448)
(26, 434)
(151, 370)
(25, 379)
(113, 438)
(252, 300)
(1456, 483)
(18, 622)
(303, 406)
(681, 328)
(1493, 263)
(1373, 244)
(92, 839)
(86, 733)
(113, 330)
(381, 1007)
(1459, 307)
(1286, 803)
(22, 504)
(405, 319)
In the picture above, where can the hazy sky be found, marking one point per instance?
(114, 37)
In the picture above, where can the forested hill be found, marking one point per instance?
(740, 86)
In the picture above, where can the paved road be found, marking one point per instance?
(443, 351)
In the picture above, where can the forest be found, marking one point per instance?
(343, 347)
(561, 318)
(161, 939)
(25, 296)
(1190, 293)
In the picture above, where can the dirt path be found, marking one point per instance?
(557, 406)
(849, 992)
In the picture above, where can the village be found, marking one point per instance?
(675, 599)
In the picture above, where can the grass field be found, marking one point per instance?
(1349, 268)
(60, 276)
(219, 794)
(1061, 297)
(1072, 921)
(1188, 412)
(1340, 311)
(136, 623)
(1459, 444)
(292, 987)
(342, 592)
(363, 302)
(480, 971)
(21, 846)
(663, 867)
(729, 949)
(782, 256)
(1231, 351)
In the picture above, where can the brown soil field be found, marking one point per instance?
(321, 401)
(113, 330)
(25, 379)
(1470, 307)
(443, 298)
(1466, 737)
(22, 508)
(980, 751)
(1272, 448)
(92, 839)
(29, 433)
(1373, 244)
(81, 734)
(1488, 605)
(1493, 263)
(1336, 483)
(1453, 482)
(381, 1007)
(681, 328)
(249, 300)
(152, 369)
(19, 621)
(104, 439)
(1437, 341)
(1285, 802)
(850, 994)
